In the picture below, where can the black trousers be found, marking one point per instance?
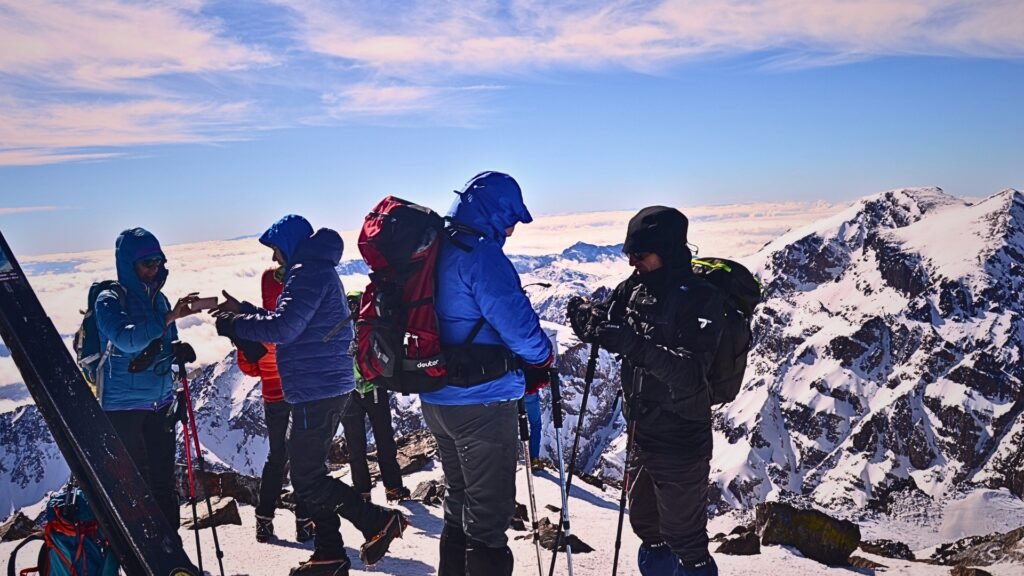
(377, 406)
(277, 415)
(314, 425)
(668, 501)
(152, 447)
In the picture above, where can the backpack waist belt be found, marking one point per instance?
(474, 364)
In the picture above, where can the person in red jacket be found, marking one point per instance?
(277, 413)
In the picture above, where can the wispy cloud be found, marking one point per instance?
(88, 81)
(101, 45)
(84, 81)
(396, 100)
(56, 131)
(456, 38)
(5, 211)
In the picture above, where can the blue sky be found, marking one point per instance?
(203, 120)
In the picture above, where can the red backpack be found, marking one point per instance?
(397, 337)
(399, 344)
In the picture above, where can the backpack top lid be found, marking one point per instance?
(739, 284)
(396, 233)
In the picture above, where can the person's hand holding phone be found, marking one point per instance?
(230, 304)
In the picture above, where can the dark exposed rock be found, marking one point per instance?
(521, 519)
(16, 527)
(982, 550)
(966, 571)
(429, 492)
(225, 511)
(549, 533)
(745, 544)
(888, 549)
(415, 450)
(815, 534)
(861, 562)
(245, 489)
(741, 529)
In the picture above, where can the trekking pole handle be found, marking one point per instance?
(524, 425)
(556, 399)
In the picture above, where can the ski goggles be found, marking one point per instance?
(151, 262)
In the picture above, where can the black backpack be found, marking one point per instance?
(743, 292)
(87, 340)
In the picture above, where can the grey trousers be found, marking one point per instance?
(478, 447)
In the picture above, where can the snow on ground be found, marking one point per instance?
(593, 512)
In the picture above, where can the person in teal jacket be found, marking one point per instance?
(135, 386)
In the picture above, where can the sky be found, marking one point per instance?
(209, 120)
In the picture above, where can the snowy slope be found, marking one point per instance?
(594, 514)
(884, 356)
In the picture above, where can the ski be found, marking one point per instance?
(144, 542)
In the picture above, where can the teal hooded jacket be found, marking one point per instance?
(128, 322)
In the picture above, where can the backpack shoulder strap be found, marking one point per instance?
(476, 330)
(452, 228)
(11, 571)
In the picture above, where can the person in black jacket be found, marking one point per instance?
(665, 323)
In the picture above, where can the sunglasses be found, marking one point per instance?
(638, 255)
(151, 262)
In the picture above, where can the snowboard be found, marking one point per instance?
(143, 540)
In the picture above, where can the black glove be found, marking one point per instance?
(252, 350)
(226, 325)
(183, 352)
(145, 359)
(581, 315)
(618, 338)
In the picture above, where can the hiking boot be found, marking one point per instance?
(377, 546)
(397, 494)
(264, 528)
(305, 529)
(323, 564)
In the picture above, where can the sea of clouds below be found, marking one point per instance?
(62, 280)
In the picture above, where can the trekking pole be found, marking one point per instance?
(587, 381)
(556, 416)
(524, 436)
(190, 356)
(191, 483)
(638, 378)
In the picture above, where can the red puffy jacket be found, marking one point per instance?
(266, 368)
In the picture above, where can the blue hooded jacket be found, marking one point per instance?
(310, 325)
(129, 324)
(483, 283)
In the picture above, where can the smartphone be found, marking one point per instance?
(203, 304)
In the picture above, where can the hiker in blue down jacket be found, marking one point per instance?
(312, 330)
(136, 323)
(475, 423)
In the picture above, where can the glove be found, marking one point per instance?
(225, 324)
(538, 375)
(580, 314)
(183, 352)
(536, 378)
(618, 338)
(145, 359)
(251, 349)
